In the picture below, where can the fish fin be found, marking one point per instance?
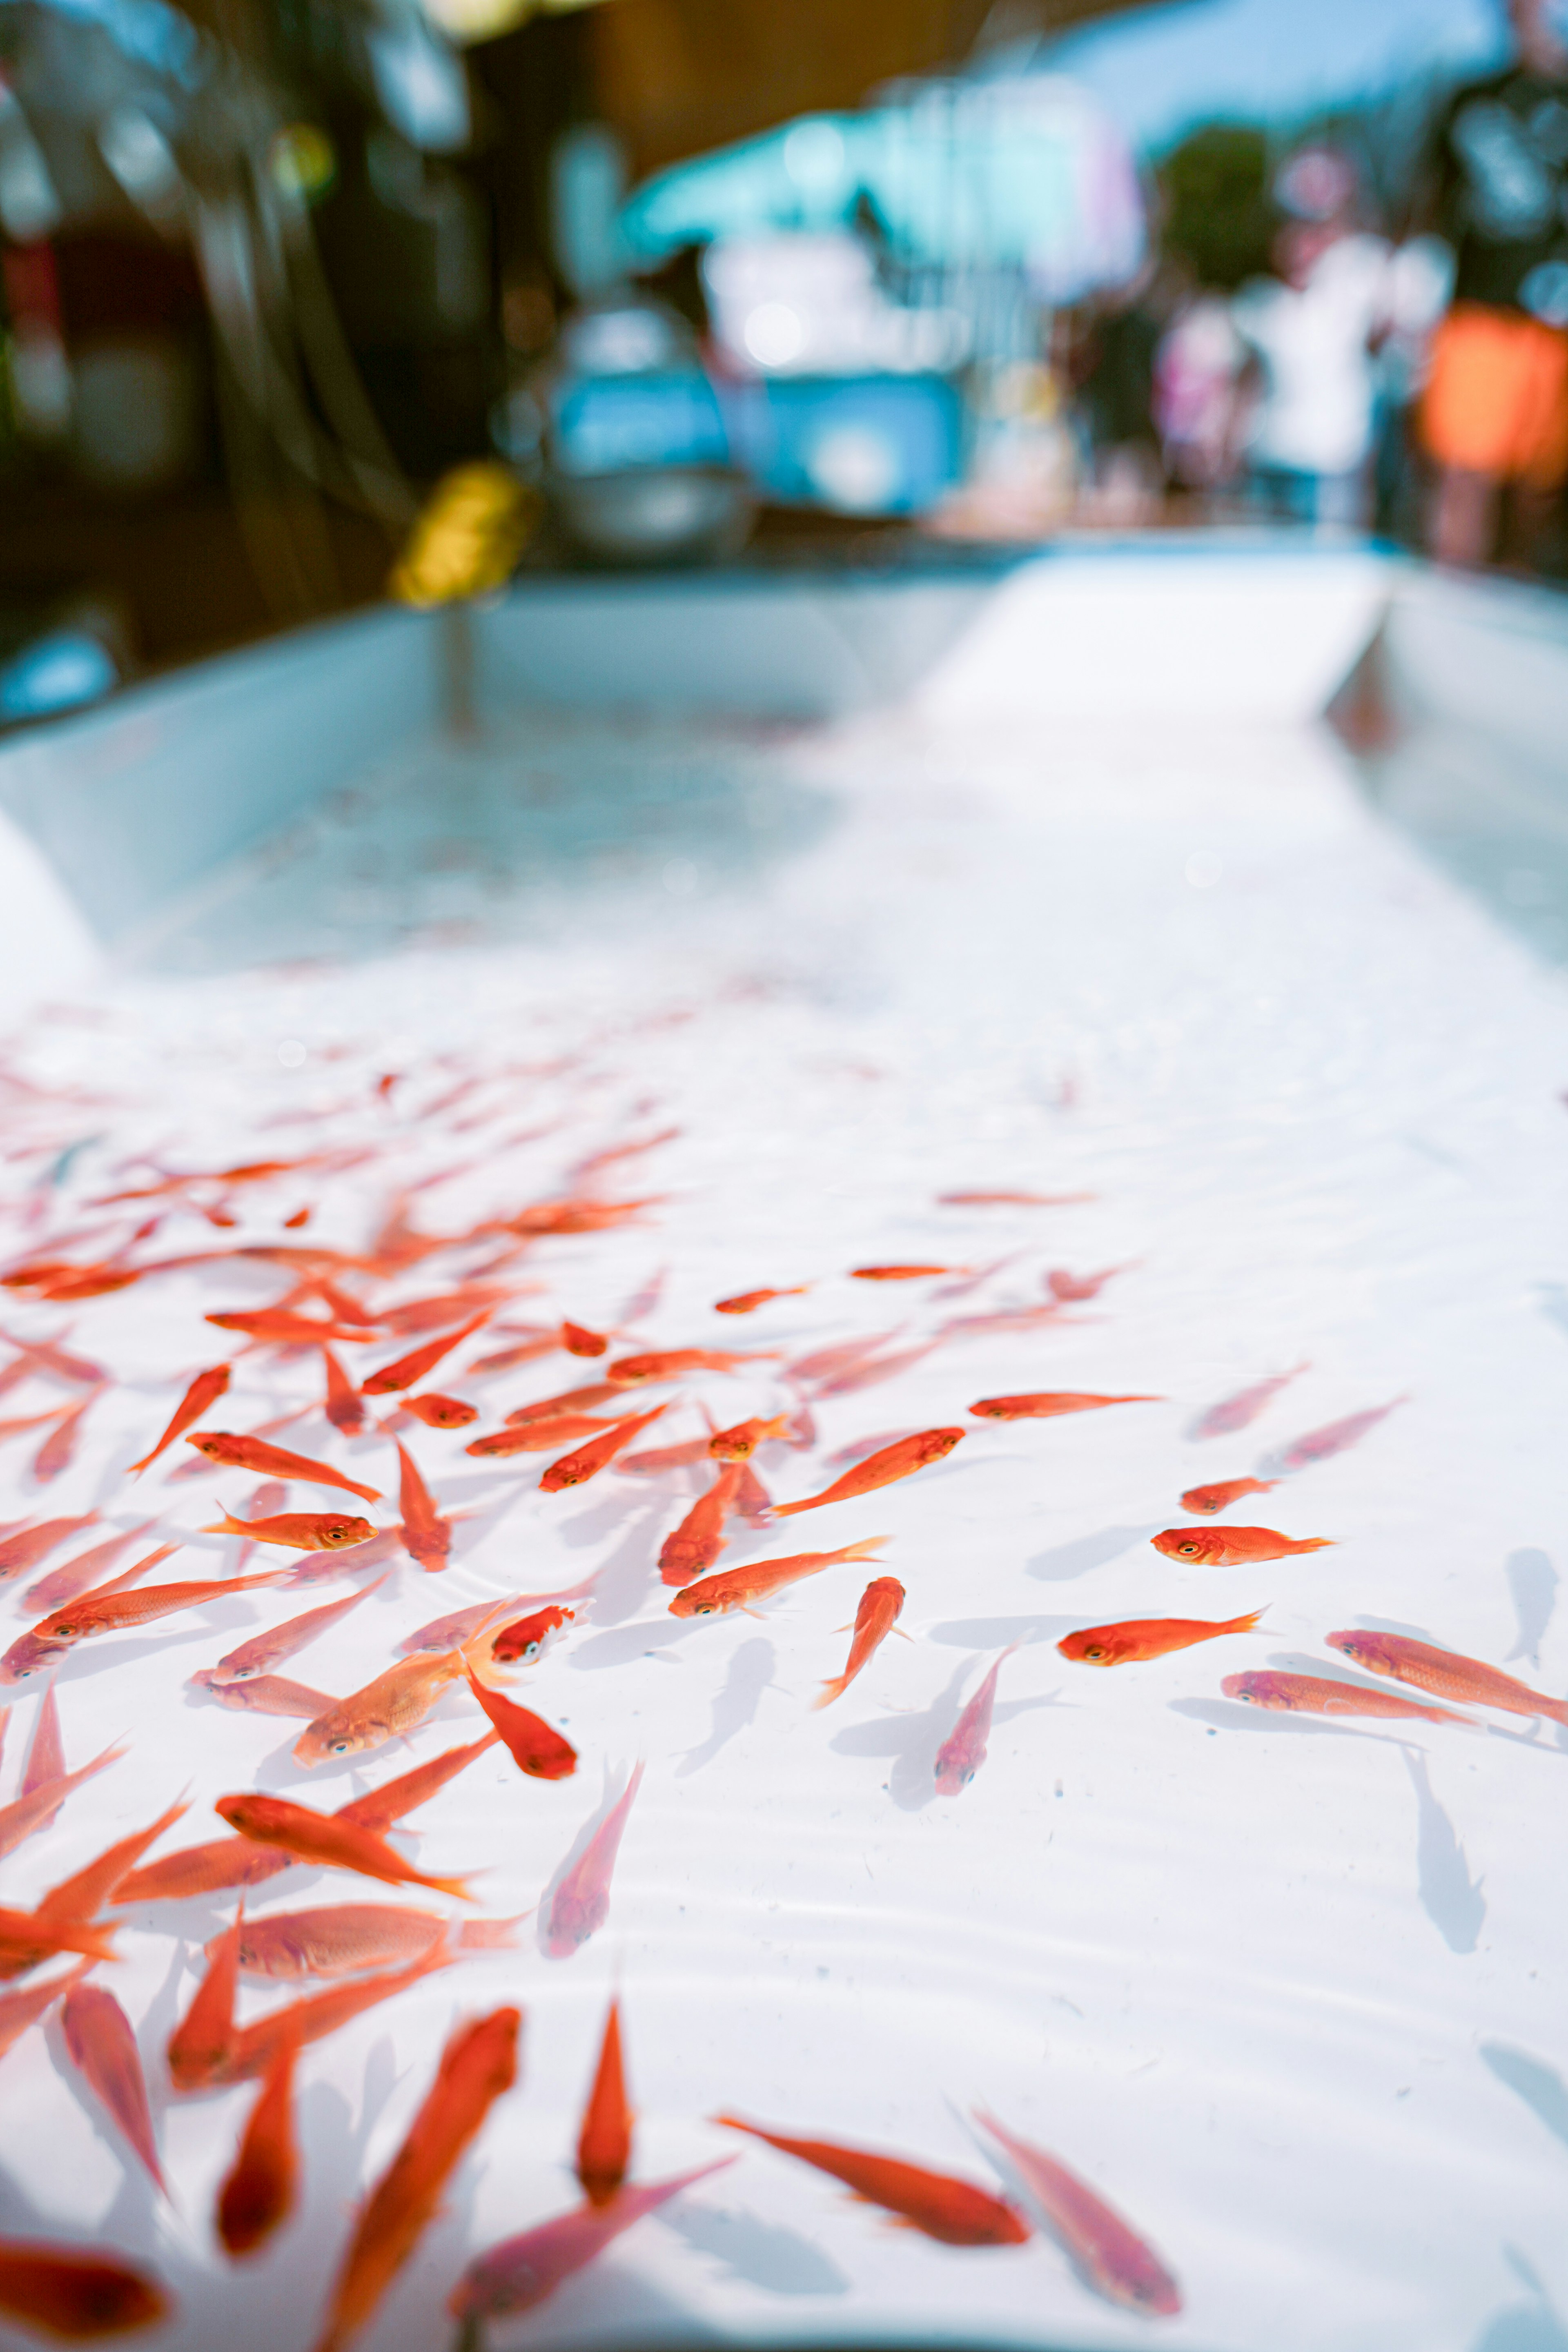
(752, 1613)
(830, 1691)
(868, 1548)
(1245, 1624)
(1314, 1543)
(227, 1526)
(457, 1887)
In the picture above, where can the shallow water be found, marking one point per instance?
(1283, 1990)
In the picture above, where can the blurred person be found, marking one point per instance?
(1314, 327)
(1494, 416)
(1200, 395)
(1116, 374)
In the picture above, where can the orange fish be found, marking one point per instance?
(343, 1939)
(1320, 1444)
(604, 2142)
(1138, 1638)
(103, 2051)
(524, 2270)
(826, 1363)
(581, 1903)
(330, 1840)
(535, 1747)
(342, 1408)
(697, 1541)
(204, 1390)
(277, 1326)
(119, 1613)
(240, 1453)
(266, 1695)
(87, 1569)
(661, 1459)
(737, 1588)
(537, 1436)
(388, 1708)
(578, 1340)
(40, 1803)
(379, 1808)
(1107, 2255)
(900, 1273)
(1446, 1673)
(881, 1605)
(1045, 1403)
(551, 1407)
(257, 2194)
(296, 1531)
(739, 1445)
(23, 1547)
(669, 1363)
(86, 1890)
(24, 2007)
(576, 1217)
(1219, 1497)
(1228, 1547)
(437, 1314)
(746, 1302)
(575, 1468)
(1011, 1199)
(26, 1941)
(899, 1461)
(478, 2064)
(1073, 1288)
(410, 1369)
(76, 2296)
(524, 1642)
(953, 2211)
(426, 1536)
(438, 1412)
(1315, 1695)
(263, 1652)
(58, 1449)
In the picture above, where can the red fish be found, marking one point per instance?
(1138, 1638)
(49, 1357)
(1315, 1695)
(1004, 1319)
(80, 1574)
(410, 1369)
(1073, 1288)
(697, 1541)
(478, 2064)
(537, 1436)
(604, 2142)
(24, 2007)
(277, 1326)
(525, 1641)
(894, 1461)
(578, 1340)
(240, 1453)
(266, 1695)
(963, 1753)
(739, 1445)
(1230, 1547)
(900, 1273)
(522, 2270)
(26, 1941)
(881, 1604)
(576, 1217)
(874, 1370)
(1240, 1410)
(24, 1547)
(1446, 1673)
(42, 1798)
(76, 2296)
(1320, 1444)
(737, 1588)
(581, 1903)
(296, 1531)
(343, 1407)
(1219, 1497)
(258, 2193)
(551, 1407)
(118, 1612)
(58, 1449)
(939, 2204)
(746, 1302)
(827, 1362)
(1012, 1200)
(263, 1652)
(575, 1468)
(204, 1391)
(438, 1412)
(388, 1707)
(86, 1891)
(1045, 1403)
(661, 1459)
(103, 2051)
(1106, 2254)
(330, 1840)
(669, 1363)
(535, 1747)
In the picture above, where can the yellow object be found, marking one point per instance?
(481, 20)
(303, 160)
(473, 527)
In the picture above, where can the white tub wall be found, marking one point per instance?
(1489, 657)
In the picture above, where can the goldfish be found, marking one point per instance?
(265, 1651)
(669, 1363)
(1136, 1639)
(297, 1531)
(1240, 1410)
(80, 1574)
(535, 1747)
(379, 1808)
(458, 1628)
(343, 1407)
(86, 1891)
(522, 2270)
(74, 2296)
(478, 2064)
(438, 1313)
(238, 1453)
(1320, 1444)
(661, 1459)
(1003, 1318)
(581, 1903)
(58, 1449)
(49, 1357)
(1446, 1673)
(332, 1840)
(963, 1753)
(1011, 1199)
(24, 2007)
(746, 1302)
(277, 1326)
(881, 1604)
(825, 1363)
(1209, 1499)
(1044, 1404)
(103, 2051)
(1227, 1547)
(900, 1273)
(1073, 1288)
(258, 2190)
(1314, 1695)
(24, 1547)
(507, 1359)
(388, 1708)
(343, 1939)
(41, 1798)
(874, 1370)
(575, 1468)
(426, 1536)
(537, 1436)
(438, 1412)
(198, 1466)
(201, 1395)
(899, 1461)
(604, 2142)
(119, 1613)
(266, 1695)
(525, 1641)
(939, 2204)
(552, 1408)
(739, 1445)
(410, 1369)
(576, 1217)
(26, 1941)
(578, 1340)
(700, 1538)
(1107, 2254)
(737, 1588)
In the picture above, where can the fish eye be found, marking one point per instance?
(531, 1651)
(65, 1631)
(1188, 1551)
(340, 1748)
(703, 1609)
(1096, 1652)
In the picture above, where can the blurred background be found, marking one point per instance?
(304, 303)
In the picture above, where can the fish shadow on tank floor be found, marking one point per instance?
(763, 2253)
(1063, 1562)
(1533, 2326)
(912, 1740)
(735, 1702)
(1451, 1899)
(1540, 2086)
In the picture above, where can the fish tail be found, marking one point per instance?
(1556, 1708)
(830, 1691)
(866, 1548)
(1242, 1625)
(227, 1526)
(457, 1887)
(1314, 1543)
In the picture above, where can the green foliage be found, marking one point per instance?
(1218, 216)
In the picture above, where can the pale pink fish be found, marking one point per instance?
(450, 1632)
(1241, 1410)
(753, 1500)
(326, 1567)
(265, 1651)
(36, 1806)
(663, 1458)
(1107, 2254)
(80, 1575)
(969, 1282)
(19, 2009)
(871, 1374)
(963, 1753)
(45, 1749)
(48, 1356)
(343, 1939)
(22, 1547)
(1320, 1444)
(57, 1451)
(826, 1363)
(581, 1904)
(270, 1497)
(266, 1695)
(103, 2051)
(1006, 1319)
(522, 2270)
(848, 1455)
